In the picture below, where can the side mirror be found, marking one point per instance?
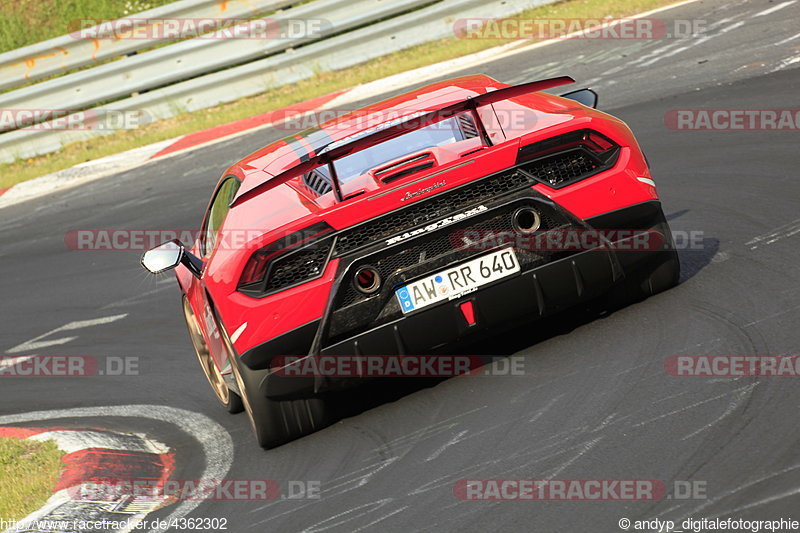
(167, 256)
(585, 97)
(163, 257)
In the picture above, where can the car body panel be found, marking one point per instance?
(289, 206)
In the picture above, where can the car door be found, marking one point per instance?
(205, 247)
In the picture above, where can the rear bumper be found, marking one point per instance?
(532, 294)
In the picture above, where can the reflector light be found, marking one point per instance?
(468, 310)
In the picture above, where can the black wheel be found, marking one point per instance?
(274, 422)
(229, 399)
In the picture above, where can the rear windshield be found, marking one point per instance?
(440, 134)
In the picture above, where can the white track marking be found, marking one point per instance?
(585, 448)
(455, 440)
(215, 442)
(694, 43)
(789, 39)
(773, 9)
(734, 404)
(32, 344)
(546, 408)
(36, 342)
(731, 492)
(787, 230)
(354, 481)
(786, 62)
(781, 496)
(782, 312)
(746, 388)
(424, 433)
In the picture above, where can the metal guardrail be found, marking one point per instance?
(427, 24)
(66, 53)
(186, 59)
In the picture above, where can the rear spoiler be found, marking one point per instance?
(339, 149)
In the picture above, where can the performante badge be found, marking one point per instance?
(410, 195)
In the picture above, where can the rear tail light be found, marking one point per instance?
(563, 160)
(297, 258)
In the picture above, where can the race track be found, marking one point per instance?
(600, 404)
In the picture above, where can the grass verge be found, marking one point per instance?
(24, 22)
(28, 472)
(322, 83)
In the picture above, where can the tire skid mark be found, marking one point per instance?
(349, 482)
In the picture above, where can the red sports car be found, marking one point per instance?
(408, 226)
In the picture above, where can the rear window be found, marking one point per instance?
(439, 134)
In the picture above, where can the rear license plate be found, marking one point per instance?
(458, 280)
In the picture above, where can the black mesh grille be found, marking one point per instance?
(429, 210)
(297, 267)
(564, 167)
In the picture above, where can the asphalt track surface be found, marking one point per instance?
(600, 405)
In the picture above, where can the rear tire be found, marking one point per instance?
(231, 401)
(274, 422)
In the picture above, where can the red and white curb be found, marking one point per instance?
(114, 164)
(95, 458)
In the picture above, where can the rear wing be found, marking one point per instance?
(338, 149)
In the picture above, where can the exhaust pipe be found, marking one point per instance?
(526, 220)
(367, 280)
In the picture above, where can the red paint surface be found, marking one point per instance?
(98, 466)
(21, 433)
